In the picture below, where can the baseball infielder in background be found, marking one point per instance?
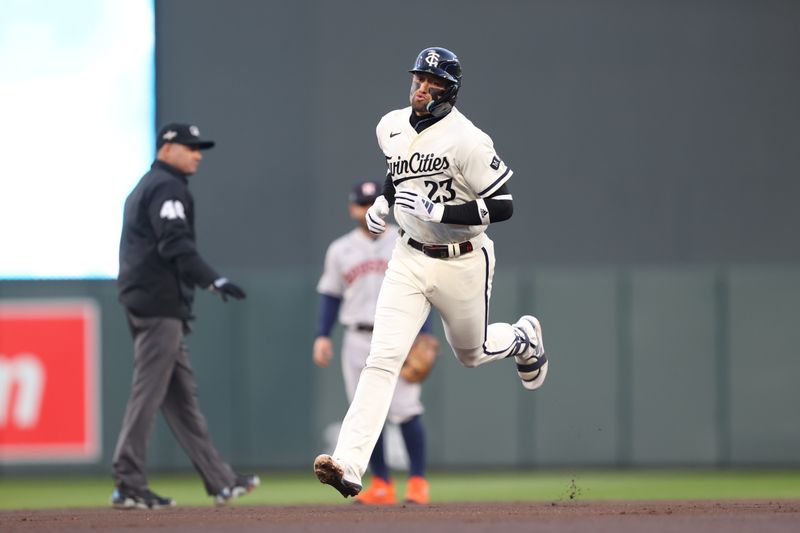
(447, 184)
(354, 268)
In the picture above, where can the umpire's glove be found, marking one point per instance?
(225, 288)
(375, 215)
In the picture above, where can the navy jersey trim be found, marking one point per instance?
(486, 305)
(495, 182)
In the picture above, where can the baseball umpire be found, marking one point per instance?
(159, 267)
(447, 184)
(355, 264)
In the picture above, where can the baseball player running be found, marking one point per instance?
(446, 184)
(354, 268)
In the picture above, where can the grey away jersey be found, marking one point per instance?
(354, 268)
(451, 162)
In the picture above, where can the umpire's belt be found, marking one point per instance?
(440, 251)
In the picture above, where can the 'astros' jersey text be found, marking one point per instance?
(354, 268)
(451, 162)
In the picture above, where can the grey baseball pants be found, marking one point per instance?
(163, 377)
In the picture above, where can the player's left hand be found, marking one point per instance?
(419, 206)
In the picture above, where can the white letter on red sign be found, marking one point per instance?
(28, 373)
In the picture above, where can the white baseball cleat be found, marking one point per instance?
(532, 363)
(332, 472)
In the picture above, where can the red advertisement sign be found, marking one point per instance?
(49, 369)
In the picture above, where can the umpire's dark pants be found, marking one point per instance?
(162, 377)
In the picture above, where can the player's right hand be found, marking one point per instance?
(375, 215)
(323, 351)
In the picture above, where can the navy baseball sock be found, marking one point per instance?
(377, 462)
(414, 437)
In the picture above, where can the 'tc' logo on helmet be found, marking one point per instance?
(432, 59)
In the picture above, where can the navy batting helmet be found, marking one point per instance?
(444, 64)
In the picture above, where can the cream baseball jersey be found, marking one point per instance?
(451, 162)
(354, 268)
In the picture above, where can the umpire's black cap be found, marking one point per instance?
(185, 134)
(365, 192)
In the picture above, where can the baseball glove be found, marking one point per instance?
(421, 357)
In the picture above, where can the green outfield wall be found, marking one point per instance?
(654, 149)
(649, 367)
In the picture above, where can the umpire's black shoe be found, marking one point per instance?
(331, 472)
(154, 501)
(126, 498)
(244, 483)
(123, 498)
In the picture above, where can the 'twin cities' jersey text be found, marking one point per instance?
(417, 164)
(450, 162)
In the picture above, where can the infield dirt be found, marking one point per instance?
(505, 517)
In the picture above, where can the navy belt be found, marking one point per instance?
(440, 251)
(364, 327)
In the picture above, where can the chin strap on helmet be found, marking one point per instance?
(442, 104)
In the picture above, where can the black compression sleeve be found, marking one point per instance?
(388, 190)
(499, 210)
(467, 214)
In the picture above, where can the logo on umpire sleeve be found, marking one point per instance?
(495, 164)
(172, 209)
